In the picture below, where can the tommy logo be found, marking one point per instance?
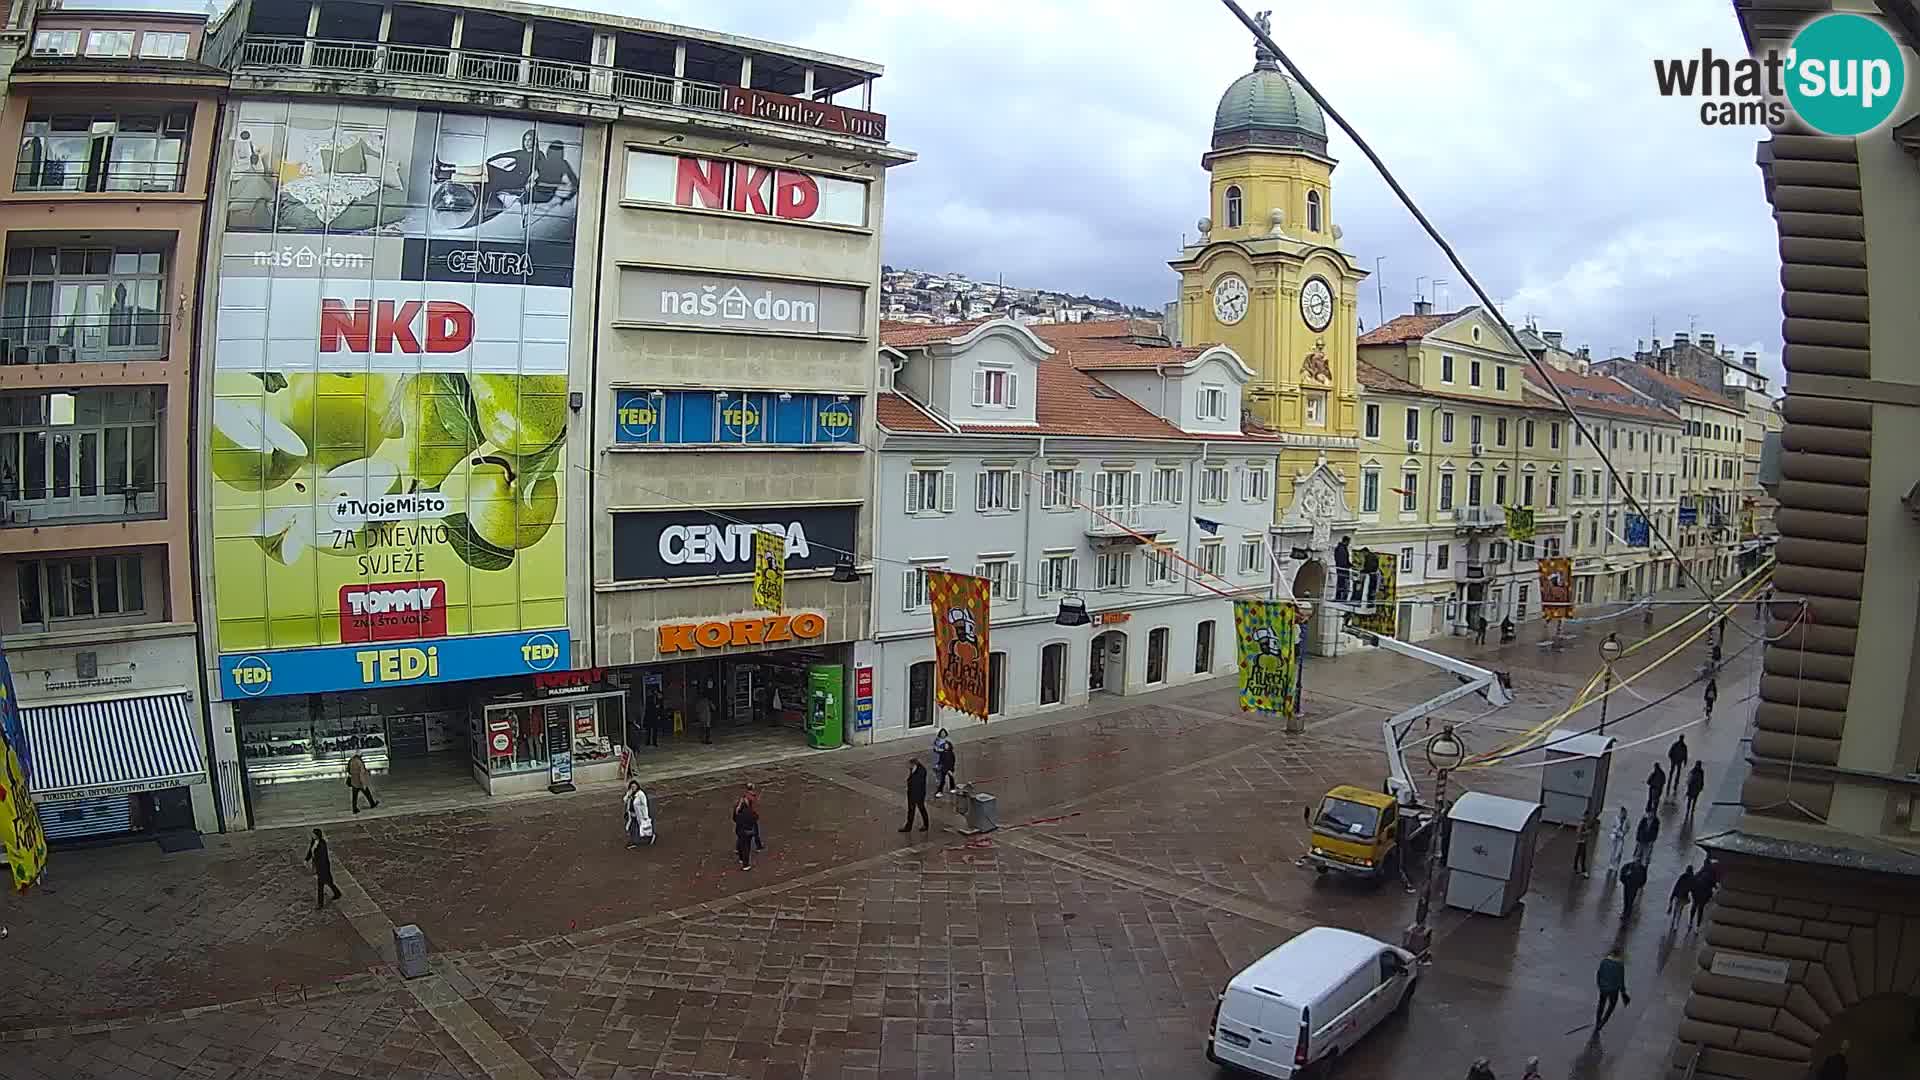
(388, 326)
(393, 611)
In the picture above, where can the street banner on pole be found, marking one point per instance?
(769, 571)
(20, 835)
(1556, 588)
(961, 611)
(1267, 636)
(1519, 523)
(1375, 585)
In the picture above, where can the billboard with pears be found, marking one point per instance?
(387, 436)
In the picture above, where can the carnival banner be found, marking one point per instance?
(769, 570)
(1376, 584)
(961, 606)
(1556, 588)
(1638, 535)
(1519, 523)
(1267, 633)
(20, 836)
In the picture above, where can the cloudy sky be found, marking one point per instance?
(1060, 141)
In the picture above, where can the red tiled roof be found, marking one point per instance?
(1106, 354)
(1683, 387)
(906, 335)
(1055, 333)
(1374, 378)
(898, 413)
(1403, 328)
(1600, 394)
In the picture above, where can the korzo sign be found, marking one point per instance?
(698, 543)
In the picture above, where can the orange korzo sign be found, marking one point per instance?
(770, 630)
(960, 634)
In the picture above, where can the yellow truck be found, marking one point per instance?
(1362, 832)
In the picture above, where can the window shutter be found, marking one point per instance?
(1201, 409)
(1134, 488)
(979, 386)
(913, 491)
(1013, 389)
(980, 489)
(1016, 485)
(1014, 570)
(946, 491)
(906, 589)
(1073, 574)
(979, 569)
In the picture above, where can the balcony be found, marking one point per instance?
(1481, 517)
(85, 339)
(591, 81)
(68, 505)
(1119, 522)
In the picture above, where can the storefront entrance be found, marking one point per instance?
(1107, 663)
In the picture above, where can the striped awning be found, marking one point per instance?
(90, 749)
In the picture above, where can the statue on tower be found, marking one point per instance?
(1262, 56)
(1264, 21)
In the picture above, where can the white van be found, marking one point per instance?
(1307, 1001)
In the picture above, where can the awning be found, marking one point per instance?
(90, 749)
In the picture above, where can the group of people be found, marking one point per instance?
(945, 761)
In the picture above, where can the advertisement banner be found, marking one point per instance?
(961, 605)
(1689, 515)
(689, 542)
(354, 667)
(744, 187)
(1638, 535)
(1519, 523)
(675, 298)
(20, 836)
(769, 571)
(1377, 586)
(863, 698)
(1556, 588)
(707, 418)
(387, 437)
(1267, 635)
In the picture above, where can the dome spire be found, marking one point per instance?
(1263, 58)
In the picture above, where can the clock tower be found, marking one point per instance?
(1267, 277)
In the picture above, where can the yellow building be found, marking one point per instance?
(1267, 278)
(1451, 438)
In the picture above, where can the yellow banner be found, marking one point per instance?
(769, 571)
(1267, 633)
(20, 836)
(1376, 584)
(961, 607)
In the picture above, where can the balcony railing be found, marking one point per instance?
(559, 76)
(122, 176)
(81, 339)
(1113, 520)
(80, 504)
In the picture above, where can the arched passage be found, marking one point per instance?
(1310, 581)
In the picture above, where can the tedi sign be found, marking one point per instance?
(1843, 75)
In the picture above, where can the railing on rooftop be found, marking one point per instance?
(70, 339)
(584, 80)
(69, 501)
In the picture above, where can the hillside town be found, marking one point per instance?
(913, 296)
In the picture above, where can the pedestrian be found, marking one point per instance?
(1835, 1065)
(916, 794)
(1479, 629)
(1712, 693)
(1677, 759)
(1612, 978)
(1656, 785)
(1705, 881)
(1533, 1069)
(322, 870)
(1580, 842)
(746, 823)
(655, 714)
(703, 714)
(1481, 1070)
(631, 813)
(1696, 783)
(752, 796)
(1680, 897)
(360, 781)
(1633, 877)
(943, 762)
(1644, 836)
(1619, 836)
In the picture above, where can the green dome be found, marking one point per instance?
(1265, 107)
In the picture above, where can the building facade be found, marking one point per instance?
(1063, 466)
(103, 210)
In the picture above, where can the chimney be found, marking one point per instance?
(1750, 361)
(1679, 341)
(1586, 353)
(1706, 342)
(1553, 338)
(1423, 307)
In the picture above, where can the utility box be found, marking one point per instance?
(410, 950)
(826, 686)
(1490, 855)
(983, 813)
(1573, 785)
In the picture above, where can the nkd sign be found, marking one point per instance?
(395, 326)
(719, 302)
(744, 187)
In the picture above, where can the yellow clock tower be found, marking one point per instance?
(1267, 277)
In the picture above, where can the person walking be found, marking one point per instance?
(1479, 629)
(1612, 979)
(1581, 841)
(944, 759)
(752, 797)
(1679, 898)
(1633, 877)
(1696, 783)
(655, 714)
(1712, 695)
(1644, 836)
(1705, 881)
(703, 714)
(322, 864)
(1677, 760)
(631, 806)
(1619, 836)
(1481, 1070)
(746, 825)
(1656, 786)
(916, 794)
(360, 780)
(1533, 1069)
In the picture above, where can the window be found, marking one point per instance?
(1256, 482)
(1497, 551)
(1500, 431)
(1313, 211)
(997, 489)
(1613, 438)
(85, 588)
(1213, 484)
(110, 43)
(1593, 531)
(1059, 573)
(914, 596)
(1596, 483)
(1574, 533)
(1159, 565)
(1553, 436)
(1579, 436)
(1116, 489)
(1413, 425)
(1446, 491)
(996, 683)
(920, 694)
(1370, 491)
(1526, 490)
(1523, 550)
(1473, 489)
(56, 43)
(1203, 648)
(1316, 408)
(1526, 434)
(1053, 673)
(1499, 376)
(1446, 368)
(1409, 492)
(1234, 210)
(995, 387)
(1157, 654)
(1253, 555)
(1113, 570)
(1579, 484)
(86, 304)
(1213, 557)
(1500, 489)
(1473, 373)
(1406, 560)
(1213, 403)
(1003, 576)
(1550, 547)
(1446, 427)
(163, 46)
(1553, 490)
(1371, 418)
(1442, 556)
(929, 491)
(88, 453)
(1169, 485)
(1056, 489)
(1473, 430)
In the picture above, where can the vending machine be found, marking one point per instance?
(826, 687)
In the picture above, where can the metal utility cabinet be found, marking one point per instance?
(1490, 852)
(1573, 785)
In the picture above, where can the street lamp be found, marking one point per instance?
(1610, 650)
(1444, 753)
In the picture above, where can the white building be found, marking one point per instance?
(1056, 473)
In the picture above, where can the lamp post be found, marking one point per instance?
(1444, 753)
(1610, 650)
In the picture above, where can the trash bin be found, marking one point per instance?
(983, 814)
(410, 949)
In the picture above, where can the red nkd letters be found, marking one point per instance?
(763, 191)
(386, 326)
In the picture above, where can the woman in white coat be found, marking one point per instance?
(1619, 836)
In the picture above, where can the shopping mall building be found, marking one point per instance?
(495, 396)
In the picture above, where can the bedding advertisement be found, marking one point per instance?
(389, 424)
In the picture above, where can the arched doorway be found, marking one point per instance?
(1879, 1038)
(1310, 581)
(1107, 663)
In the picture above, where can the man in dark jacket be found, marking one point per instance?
(322, 869)
(1696, 783)
(1677, 762)
(1656, 785)
(746, 825)
(1712, 695)
(1612, 979)
(916, 795)
(1633, 877)
(1644, 835)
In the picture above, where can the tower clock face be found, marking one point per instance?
(1230, 299)
(1316, 303)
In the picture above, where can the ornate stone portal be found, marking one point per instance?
(1315, 521)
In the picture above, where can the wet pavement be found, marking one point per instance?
(1146, 853)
